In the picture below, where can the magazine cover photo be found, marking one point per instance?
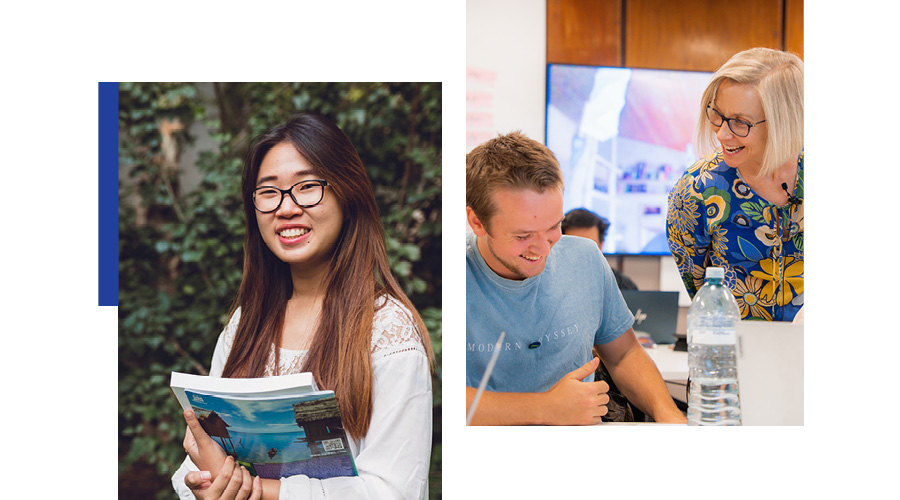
(281, 437)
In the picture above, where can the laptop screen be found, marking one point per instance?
(655, 313)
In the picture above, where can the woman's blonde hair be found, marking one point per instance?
(778, 79)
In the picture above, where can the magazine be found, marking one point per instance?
(275, 426)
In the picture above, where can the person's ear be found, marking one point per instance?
(475, 223)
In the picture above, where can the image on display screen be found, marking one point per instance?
(623, 138)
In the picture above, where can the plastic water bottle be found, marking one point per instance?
(712, 361)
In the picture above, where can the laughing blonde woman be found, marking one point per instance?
(740, 207)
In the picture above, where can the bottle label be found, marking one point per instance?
(713, 336)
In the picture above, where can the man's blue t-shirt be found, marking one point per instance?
(572, 305)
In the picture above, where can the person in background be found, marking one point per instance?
(554, 296)
(317, 295)
(740, 207)
(582, 222)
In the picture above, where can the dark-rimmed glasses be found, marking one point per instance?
(737, 126)
(309, 193)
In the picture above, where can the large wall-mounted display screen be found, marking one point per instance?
(623, 137)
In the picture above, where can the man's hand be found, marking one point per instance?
(569, 402)
(573, 402)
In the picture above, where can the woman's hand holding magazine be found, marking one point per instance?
(230, 482)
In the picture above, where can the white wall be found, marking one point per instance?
(506, 47)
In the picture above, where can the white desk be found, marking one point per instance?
(770, 372)
(673, 366)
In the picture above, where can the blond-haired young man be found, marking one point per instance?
(555, 297)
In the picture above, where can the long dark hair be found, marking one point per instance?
(340, 353)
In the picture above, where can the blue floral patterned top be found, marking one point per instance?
(715, 219)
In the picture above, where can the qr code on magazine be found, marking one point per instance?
(332, 445)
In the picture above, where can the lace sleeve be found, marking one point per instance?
(393, 457)
(393, 330)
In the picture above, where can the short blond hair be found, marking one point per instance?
(778, 79)
(511, 161)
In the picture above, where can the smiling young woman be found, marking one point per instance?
(299, 224)
(317, 295)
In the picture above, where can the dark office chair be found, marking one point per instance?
(620, 409)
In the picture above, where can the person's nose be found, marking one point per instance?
(542, 245)
(553, 237)
(724, 133)
(288, 207)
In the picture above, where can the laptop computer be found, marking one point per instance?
(770, 372)
(655, 313)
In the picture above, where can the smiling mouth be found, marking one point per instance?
(294, 232)
(732, 149)
(534, 258)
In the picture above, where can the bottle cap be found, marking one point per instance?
(715, 273)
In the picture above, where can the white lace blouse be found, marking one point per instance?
(393, 458)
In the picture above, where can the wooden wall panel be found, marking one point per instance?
(697, 34)
(585, 32)
(793, 26)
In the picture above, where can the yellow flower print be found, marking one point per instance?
(718, 240)
(686, 242)
(705, 165)
(717, 205)
(796, 226)
(793, 277)
(771, 273)
(682, 210)
(750, 300)
(767, 233)
(698, 273)
(797, 219)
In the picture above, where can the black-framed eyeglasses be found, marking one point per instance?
(737, 126)
(309, 193)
